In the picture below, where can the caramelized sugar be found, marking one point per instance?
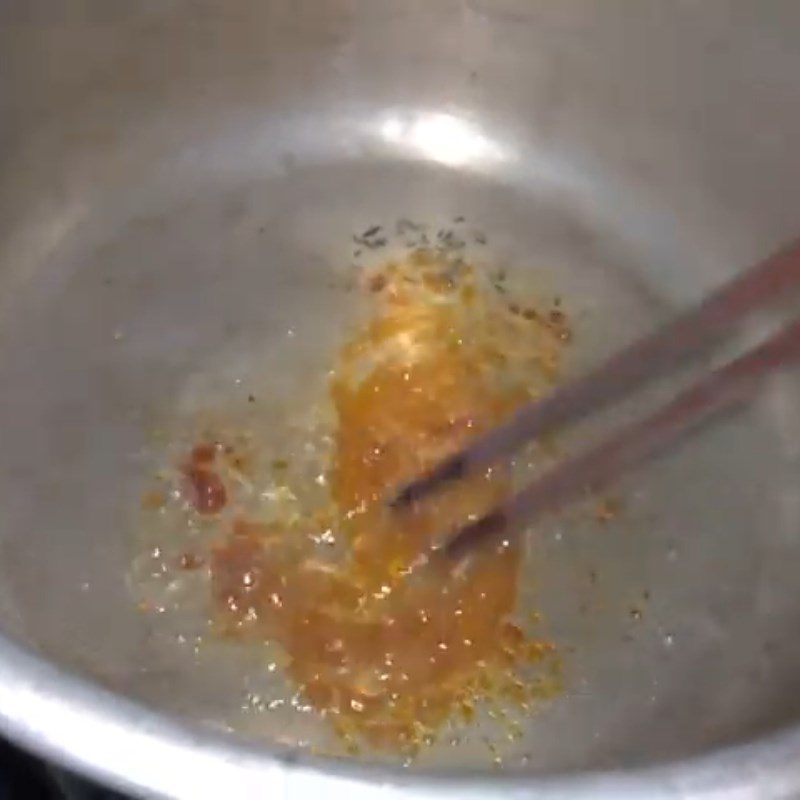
(387, 656)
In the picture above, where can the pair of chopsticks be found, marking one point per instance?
(722, 389)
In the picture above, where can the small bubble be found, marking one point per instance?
(669, 640)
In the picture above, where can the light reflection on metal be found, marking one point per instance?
(442, 137)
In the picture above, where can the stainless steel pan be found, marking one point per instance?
(177, 180)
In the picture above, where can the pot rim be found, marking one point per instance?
(84, 727)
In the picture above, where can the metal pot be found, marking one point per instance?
(176, 176)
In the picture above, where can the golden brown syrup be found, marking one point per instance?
(388, 658)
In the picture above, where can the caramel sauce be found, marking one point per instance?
(204, 486)
(389, 656)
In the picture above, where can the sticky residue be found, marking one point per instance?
(387, 657)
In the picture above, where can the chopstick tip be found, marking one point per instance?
(451, 469)
(467, 538)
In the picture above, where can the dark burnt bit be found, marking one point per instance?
(374, 244)
(447, 241)
(558, 323)
(370, 239)
(405, 226)
(377, 283)
(205, 489)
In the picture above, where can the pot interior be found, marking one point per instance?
(181, 182)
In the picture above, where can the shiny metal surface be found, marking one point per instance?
(177, 179)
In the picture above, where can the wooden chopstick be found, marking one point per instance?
(722, 389)
(640, 362)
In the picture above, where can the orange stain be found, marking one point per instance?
(386, 657)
